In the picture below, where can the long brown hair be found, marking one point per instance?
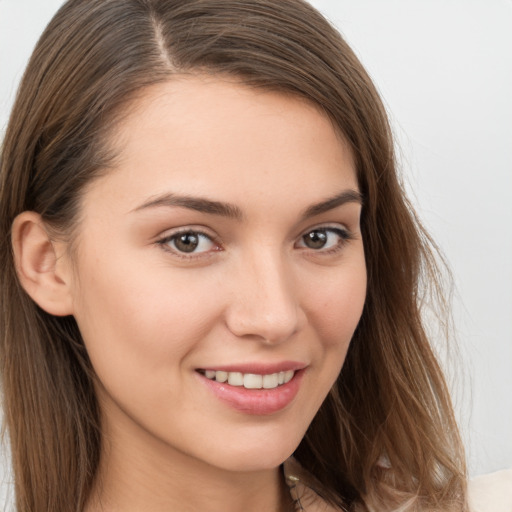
(390, 402)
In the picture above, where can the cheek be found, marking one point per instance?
(139, 330)
(334, 307)
(140, 320)
(335, 304)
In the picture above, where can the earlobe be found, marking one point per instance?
(41, 271)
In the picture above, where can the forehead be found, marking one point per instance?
(207, 135)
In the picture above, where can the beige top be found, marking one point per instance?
(491, 493)
(488, 493)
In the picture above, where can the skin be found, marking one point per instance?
(252, 292)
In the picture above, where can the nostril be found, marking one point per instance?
(264, 303)
(269, 328)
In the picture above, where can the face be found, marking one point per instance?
(220, 273)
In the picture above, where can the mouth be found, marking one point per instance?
(253, 388)
(250, 380)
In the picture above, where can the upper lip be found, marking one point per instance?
(257, 368)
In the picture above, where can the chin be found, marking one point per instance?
(262, 454)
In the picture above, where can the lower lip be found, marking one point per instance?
(256, 401)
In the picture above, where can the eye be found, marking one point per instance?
(324, 238)
(189, 242)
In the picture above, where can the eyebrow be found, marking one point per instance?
(232, 211)
(199, 204)
(347, 196)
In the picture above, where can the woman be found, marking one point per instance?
(208, 266)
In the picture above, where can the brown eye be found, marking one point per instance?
(315, 239)
(188, 242)
(324, 238)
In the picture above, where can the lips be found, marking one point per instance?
(254, 389)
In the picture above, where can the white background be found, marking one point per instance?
(444, 69)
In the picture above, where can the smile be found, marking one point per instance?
(259, 390)
(250, 380)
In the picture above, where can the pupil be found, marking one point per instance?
(187, 242)
(316, 239)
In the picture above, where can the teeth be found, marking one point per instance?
(251, 380)
(235, 379)
(270, 381)
(220, 376)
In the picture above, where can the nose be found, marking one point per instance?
(264, 301)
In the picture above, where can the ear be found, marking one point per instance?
(42, 268)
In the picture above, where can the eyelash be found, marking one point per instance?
(343, 234)
(164, 243)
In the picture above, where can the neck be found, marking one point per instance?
(158, 478)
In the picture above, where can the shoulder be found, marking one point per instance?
(491, 493)
(304, 497)
(487, 493)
